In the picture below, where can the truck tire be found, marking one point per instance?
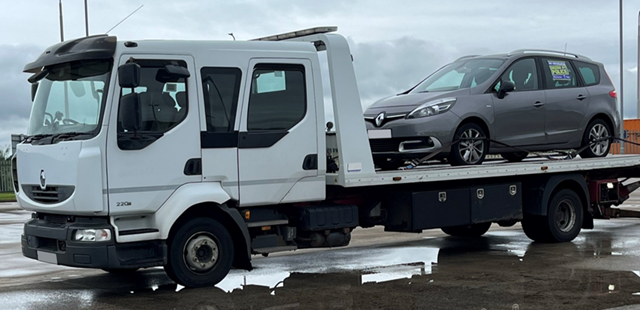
(469, 152)
(200, 253)
(562, 222)
(472, 230)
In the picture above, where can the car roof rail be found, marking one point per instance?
(551, 52)
(468, 56)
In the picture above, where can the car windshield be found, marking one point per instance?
(70, 99)
(461, 74)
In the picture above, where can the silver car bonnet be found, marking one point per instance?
(405, 103)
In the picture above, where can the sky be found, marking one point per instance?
(395, 44)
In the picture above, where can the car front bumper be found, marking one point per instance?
(415, 136)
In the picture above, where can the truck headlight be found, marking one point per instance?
(432, 108)
(92, 235)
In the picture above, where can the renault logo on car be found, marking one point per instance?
(43, 180)
(380, 118)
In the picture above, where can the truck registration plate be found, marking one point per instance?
(47, 257)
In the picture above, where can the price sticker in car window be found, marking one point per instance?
(559, 70)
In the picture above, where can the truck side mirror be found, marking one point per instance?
(129, 75)
(130, 112)
(505, 87)
(34, 89)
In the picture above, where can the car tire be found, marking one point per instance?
(597, 129)
(469, 152)
(472, 230)
(200, 253)
(563, 221)
(515, 156)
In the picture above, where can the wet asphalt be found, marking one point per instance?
(502, 270)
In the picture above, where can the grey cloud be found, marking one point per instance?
(15, 100)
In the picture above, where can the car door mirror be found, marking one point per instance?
(130, 112)
(129, 75)
(505, 87)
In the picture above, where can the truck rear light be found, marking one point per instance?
(613, 94)
(95, 235)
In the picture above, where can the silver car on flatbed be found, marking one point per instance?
(534, 100)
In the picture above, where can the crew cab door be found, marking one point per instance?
(145, 167)
(278, 140)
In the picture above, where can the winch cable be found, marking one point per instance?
(569, 155)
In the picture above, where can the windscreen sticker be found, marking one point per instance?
(559, 70)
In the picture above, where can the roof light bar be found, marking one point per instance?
(297, 34)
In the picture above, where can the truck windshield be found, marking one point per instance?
(70, 100)
(461, 74)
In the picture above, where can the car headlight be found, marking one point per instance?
(92, 235)
(432, 108)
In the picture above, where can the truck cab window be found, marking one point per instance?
(221, 87)
(163, 101)
(278, 97)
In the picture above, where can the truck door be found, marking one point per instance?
(277, 142)
(146, 166)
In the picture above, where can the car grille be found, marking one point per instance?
(49, 195)
(385, 145)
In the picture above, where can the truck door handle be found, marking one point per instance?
(538, 104)
(581, 97)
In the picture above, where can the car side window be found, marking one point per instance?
(163, 102)
(558, 73)
(523, 74)
(590, 72)
(278, 99)
(221, 88)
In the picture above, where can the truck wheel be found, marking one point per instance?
(515, 156)
(473, 230)
(596, 130)
(200, 253)
(469, 152)
(562, 222)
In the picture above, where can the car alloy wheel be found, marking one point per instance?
(600, 147)
(471, 151)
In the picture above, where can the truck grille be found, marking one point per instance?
(49, 195)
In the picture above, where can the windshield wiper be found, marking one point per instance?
(36, 137)
(67, 135)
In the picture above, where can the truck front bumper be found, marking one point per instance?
(50, 238)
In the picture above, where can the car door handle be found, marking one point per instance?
(581, 97)
(538, 104)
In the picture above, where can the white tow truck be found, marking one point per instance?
(196, 155)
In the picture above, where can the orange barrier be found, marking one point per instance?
(631, 133)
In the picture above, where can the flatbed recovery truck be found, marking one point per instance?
(196, 155)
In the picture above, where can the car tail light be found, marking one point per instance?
(613, 94)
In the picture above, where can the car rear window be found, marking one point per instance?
(590, 72)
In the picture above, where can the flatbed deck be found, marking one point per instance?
(492, 169)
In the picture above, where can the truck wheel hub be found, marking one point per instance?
(201, 252)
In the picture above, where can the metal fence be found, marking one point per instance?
(6, 183)
(629, 148)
